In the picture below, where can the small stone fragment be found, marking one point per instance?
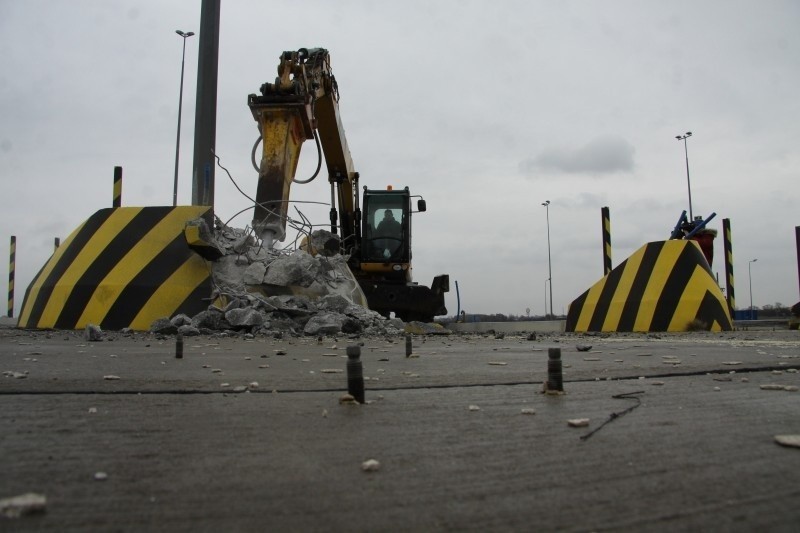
(22, 505)
(331, 370)
(110, 378)
(790, 388)
(497, 363)
(253, 385)
(771, 386)
(583, 347)
(92, 410)
(792, 441)
(223, 385)
(591, 358)
(717, 389)
(370, 465)
(578, 422)
(239, 388)
(100, 476)
(657, 383)
(731, 363)
(474, 408)
(528, 411)
(347, 399)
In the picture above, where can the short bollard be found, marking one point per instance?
(355, 373)
(179, 346)
(555, 378)
(408, 345)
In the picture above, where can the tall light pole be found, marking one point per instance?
(688, 183)
(185, 36)
(750, 276)
(546, 205)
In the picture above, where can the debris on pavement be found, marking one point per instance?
(23, 505)
(370, 465)
(791, 441)
(578, 422)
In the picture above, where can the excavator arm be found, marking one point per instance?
(302, 104)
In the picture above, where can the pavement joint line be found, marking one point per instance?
(745, 370)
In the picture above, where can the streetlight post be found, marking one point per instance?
(546, 205)
(180, 108)
(688, 183)
(750, 276)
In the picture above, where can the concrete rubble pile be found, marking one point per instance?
(275, 292)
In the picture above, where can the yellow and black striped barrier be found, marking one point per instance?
(116, 200)
(606, 216)
(123, 267)
(663, 286)
(12, 260)
(728, 248)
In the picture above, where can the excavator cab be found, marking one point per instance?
(386, 228)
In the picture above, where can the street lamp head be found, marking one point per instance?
(184, 35)
(546, 203)
(688, 133)
(754, 260)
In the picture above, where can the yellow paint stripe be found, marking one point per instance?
(611, 323)
(172, 292)
(655, 286)
(36, 284)
(96, 245)
(137, 258)
(589, 305)
(690, 300)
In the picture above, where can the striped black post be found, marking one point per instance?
(726, 242)
(117, 187)
(12, 252)
(797, 238)
(606, 214)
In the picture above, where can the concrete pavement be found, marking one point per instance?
(183, 452)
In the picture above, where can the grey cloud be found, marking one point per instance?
(603, 155)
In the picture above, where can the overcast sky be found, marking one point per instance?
(487, 109)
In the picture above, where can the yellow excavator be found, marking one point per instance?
(303, 104)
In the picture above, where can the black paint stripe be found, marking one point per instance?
(604, 301)
(105, 262)
(575, 310)
(633, 301)
(197, 301)
(678, 280)
(710, 310)
(142, 287)
(70, 253)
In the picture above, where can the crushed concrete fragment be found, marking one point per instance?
(583, 347)
(100, 476)
(239, 388)
(370, 465)
(110, 377)
(528, 411)
(23, 505)
(772, 386)
(497, 363)
(791, 441)
(93, 333)
(347, 399)
(474, 408)
(578, 422)
(331, 370)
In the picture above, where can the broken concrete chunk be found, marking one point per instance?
(188, 331)
(23, 505)
(325, 324)
(93, 333)
(792, 441)
(254, 274)
(578, 422)
(246, 317)
(163, 326)
(298, 269)
(181, 320)
(370, 465)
